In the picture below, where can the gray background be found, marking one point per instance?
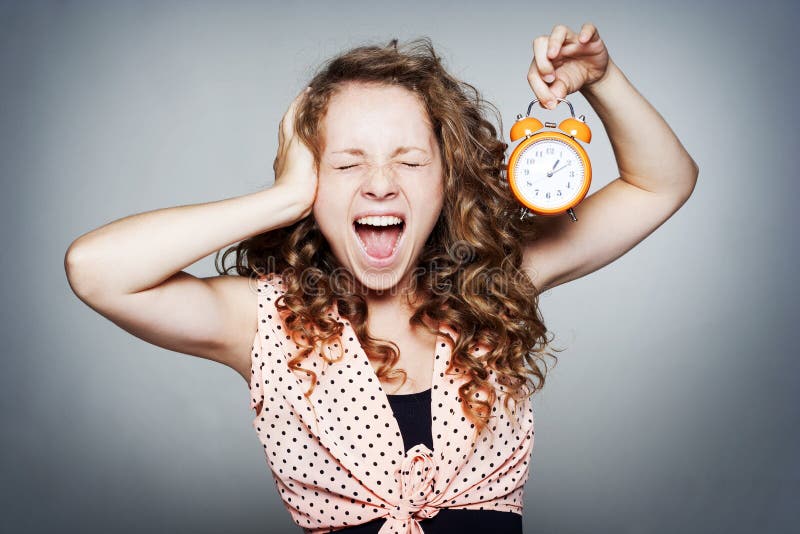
(674, 407)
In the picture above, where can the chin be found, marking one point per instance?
(374, 280)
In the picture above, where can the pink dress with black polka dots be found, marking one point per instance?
(337, 456)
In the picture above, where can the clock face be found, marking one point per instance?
(549, 173)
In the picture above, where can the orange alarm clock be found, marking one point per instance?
(549, 171)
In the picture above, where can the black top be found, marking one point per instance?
(411, 411)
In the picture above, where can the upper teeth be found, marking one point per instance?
(383, 220)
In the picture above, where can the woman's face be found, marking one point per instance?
(380, 188)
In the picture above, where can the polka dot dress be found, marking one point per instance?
(338, 457)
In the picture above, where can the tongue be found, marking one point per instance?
(379, 240)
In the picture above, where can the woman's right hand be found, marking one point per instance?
(294, 163)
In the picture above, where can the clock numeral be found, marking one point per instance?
(550, 150)
(572, 174)
(538, 153)
(536, 192)
(547, 195)
(569, 186)
(526, 172)
(530, 161)
(559, 192)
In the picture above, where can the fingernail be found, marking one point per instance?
(548, 78)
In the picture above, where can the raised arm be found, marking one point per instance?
(130, 270)
(657, 175)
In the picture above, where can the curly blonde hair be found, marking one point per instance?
(468, 275)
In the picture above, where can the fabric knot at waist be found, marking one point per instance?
(417, 473)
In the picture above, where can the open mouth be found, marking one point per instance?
(380, 235)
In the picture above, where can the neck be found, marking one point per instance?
(389, 310)
(388, 307)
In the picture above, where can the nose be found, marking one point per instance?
(379, 183)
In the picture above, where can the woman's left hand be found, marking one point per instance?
(565, 62)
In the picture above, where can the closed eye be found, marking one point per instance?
(412, 165)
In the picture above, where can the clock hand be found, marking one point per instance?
(530, 184)
(556, 163)
(551, 173)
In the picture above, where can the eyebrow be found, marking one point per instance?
(399, 150)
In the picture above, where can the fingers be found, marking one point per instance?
(540, 66)
(564, 43)
(556, 40)
(287, 122)
(588, 33)
(286, 132)
(543, 64)
(286, 126)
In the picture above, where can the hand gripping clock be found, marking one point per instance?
(549, 171)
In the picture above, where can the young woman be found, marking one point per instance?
(384, 310)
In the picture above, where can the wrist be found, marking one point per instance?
(612, 72)
(291, 206)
